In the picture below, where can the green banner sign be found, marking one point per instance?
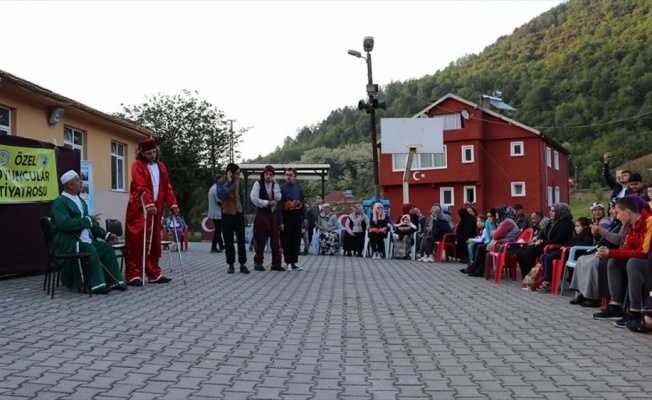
(27, 174)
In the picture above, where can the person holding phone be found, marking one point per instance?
(231, 193)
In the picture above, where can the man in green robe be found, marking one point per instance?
(74, 231)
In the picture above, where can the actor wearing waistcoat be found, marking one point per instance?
(265, 195)
(231, 192)
(293, 219)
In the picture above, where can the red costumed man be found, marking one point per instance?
(150, 190)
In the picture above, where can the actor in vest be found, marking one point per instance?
(265, 195)
(231, 192)
(75, 231)
(293, 219)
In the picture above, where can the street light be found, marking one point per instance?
(371, 106)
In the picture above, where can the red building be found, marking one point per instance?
(488, 160)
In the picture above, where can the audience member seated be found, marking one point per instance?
(379, 226)
(627, 265)
(438, 224)
(590, 275)
(484, 229)
(598, 216)
(353, 241)
(637, 186)
(559, 230)
(507, 230)
(402, 237)
(582, 237)
(175, 227)
(539, 222)
(522, 218)
(466, 229)
(329, 237)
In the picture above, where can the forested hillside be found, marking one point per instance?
(581, 73)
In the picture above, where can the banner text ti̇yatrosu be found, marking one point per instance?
(27, 174)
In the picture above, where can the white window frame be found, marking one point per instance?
(513, 152)
(71, 144)
(550, 203)
(118, 163)
(548, 157)
(6, 129)
(466, 198)
(471, 159)
(443, 190)
(557, 194)
(416, 161)
(514, 186)
(557, 160)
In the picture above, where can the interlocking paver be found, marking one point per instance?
(344, 328)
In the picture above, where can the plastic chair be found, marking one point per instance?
(52, 273)
(570, 263)
(447, 243)
(501, 255)
(183, 240)
(387, 240)
(115, 227)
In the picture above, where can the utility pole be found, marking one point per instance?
(231, 150)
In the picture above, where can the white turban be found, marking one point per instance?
(65, 178)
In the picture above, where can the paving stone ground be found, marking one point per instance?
(344, 328)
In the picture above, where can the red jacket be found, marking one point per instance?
(637, 241)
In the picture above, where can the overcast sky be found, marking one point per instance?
(273, 66)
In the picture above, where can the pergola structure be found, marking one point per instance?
(304, 172)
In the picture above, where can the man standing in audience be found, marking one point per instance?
(522, 218)
(215, 214)
(265, 195)
(627, 265)
(293, 219)
(618, 189)
(313, 217)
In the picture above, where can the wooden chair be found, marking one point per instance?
(447, 244)
(115, 227)
(501, 255)
(52, 273)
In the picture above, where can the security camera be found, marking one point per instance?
(368, 43)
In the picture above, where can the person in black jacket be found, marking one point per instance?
(466, 229)
(618, 189)
(558, 231)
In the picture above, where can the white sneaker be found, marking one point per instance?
(375, 257)
(428, 260)
(297, 267)
(288, 267)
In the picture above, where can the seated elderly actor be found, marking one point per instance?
(75, 231)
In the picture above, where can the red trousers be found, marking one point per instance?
(266, 226)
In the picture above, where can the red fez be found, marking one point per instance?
(147, 144)
(268, 168)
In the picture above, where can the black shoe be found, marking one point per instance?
(245, 270)
(630, 316)
(578, 300)
(231, 269)
(612, 311)
(305, 252)
(464, 270)
(590, 303)
(104, 290)
(259, 268)
(135, 282)
(162, 279)
(215, 251)
(121, 287)
(276, 268)
(647, 307)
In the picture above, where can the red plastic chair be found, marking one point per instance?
(502, 257)
(447, 245)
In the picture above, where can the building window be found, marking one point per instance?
(117, 166)
(557, 160)
(548, 157)
(550, 196)
(446, 196)
(74, 139)
(469, 194)
(5, 121)
(420, 161)
(557, 194)
(518, 189)
(517, 149)
(467, 154)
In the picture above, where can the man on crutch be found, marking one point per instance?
(149, 192)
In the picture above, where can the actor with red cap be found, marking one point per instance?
(265, 195)
(149, 192)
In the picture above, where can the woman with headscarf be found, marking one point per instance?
(466, 229)
(507, 230)
(353, 240)
(329, 237)
(379, 226)
(438, 224)
(403, 232)
(558, 231)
